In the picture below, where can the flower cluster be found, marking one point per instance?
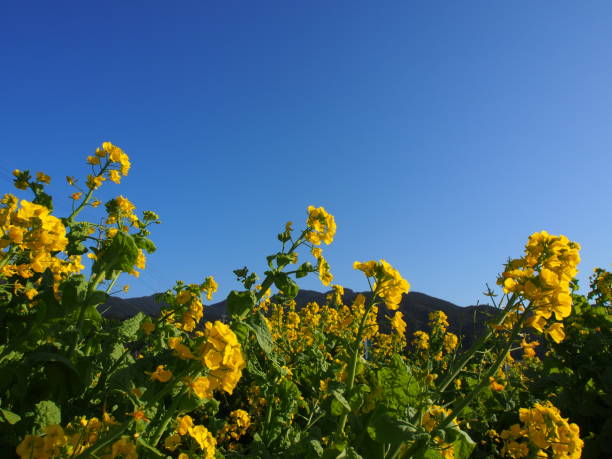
(222, 355)
(543, 276)
(116, 164)
(601, 286)
(199, 433)
(321, 226)
(325, 275)
(73, 440)
(186, 308)
(389, 284)
(31, 240)
(238, 424)
(542, 430)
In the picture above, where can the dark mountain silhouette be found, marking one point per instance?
(466, 321)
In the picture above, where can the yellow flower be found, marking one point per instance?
(205, 439)
(31, 293)
(555, 331)
(321, 226)
(494, 385)
(32, 446)
(209, 286)
(180, 350)
(124, 205)
(184, 424)
(115, 176)
(202, 387)
(95, 203)
(420, 340)
(398, 324)
(389, 284)
(124, 448)
(93, 160)
(161, 374)
(76, 196)
(140, 415)
(94, 181)
(42, 177)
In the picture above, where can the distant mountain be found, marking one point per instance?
(466, 321)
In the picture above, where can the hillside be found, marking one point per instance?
(467, 321)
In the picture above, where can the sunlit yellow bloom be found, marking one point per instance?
(205, 439)
(321, 226)
(76, 196)
(209, 286)
(114, 176)
(555, 331)
(93, 160)
(389, 284)
(31, 293)
(398, 324)
(180, 350)
(494, 385)
(184, 424)
(94, 181)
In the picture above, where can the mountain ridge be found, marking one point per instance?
(465, 321)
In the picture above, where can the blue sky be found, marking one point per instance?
(439, 134)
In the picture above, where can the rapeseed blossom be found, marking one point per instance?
(321, 226)
(389, 284)
(543, 276)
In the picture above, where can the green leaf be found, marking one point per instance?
(286, 285)
(304, 269)
(145, 243)
(121, 255)
(399, 388)
(259, 326)
(74, 292)
(43, 357)
(463, 445)
(9, 416)
(129, 328)
(96, 298)
(337, 393)
(385, 428)
(240, 302)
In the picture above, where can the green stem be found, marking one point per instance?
(84, 202)
(93, 283)
(353, 364)
(269, 280)
(467, 356)
(167, 417)
(112, 283)
(485, 379)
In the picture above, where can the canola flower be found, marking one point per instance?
(389, 284)
(321, 226)
(542, 430)
(543, 276)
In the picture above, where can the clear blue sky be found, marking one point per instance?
(439, 134)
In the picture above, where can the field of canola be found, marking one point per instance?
(322, 381)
